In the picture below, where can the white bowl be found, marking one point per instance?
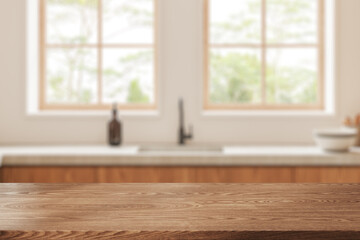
(338, 140)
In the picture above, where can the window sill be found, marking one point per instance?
(101, 114)
(264, 113)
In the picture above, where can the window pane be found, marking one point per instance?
(234, 21)
(71, 76)
(235, 76)
(292, 76)
(128, 76)
(292, 21)
(128, 21)
(71, 21)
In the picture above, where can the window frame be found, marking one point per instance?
(263, 46)
(99, 46)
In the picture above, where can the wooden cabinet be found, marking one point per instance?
(180, 174)
(327, 175)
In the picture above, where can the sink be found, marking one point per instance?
(180, 149)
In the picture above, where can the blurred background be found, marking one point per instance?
(269, 91)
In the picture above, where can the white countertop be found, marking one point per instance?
(175, 156)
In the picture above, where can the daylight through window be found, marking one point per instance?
(264, 54)
(97, 52)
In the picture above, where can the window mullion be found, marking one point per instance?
(263, 51)
(100, 52)
(42, 54)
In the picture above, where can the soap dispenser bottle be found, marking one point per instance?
(114, 129)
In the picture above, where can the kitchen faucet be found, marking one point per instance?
(182, 132)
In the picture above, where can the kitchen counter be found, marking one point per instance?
(180, 211)
(132, 156)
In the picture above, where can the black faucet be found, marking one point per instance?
(182, 132)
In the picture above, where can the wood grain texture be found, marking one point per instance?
(267, 235)
(180, 174)
(180, 211)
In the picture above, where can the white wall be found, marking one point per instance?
(179, 65)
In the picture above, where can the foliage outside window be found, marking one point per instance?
(264, 54)
(97, 52)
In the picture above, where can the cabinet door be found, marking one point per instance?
(195, 175)
(327, 175)
(48, 175)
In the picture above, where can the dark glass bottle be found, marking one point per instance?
(115, 138)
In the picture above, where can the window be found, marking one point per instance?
(264, 54)
(97, 52)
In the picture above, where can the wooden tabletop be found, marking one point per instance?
(180, 211)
